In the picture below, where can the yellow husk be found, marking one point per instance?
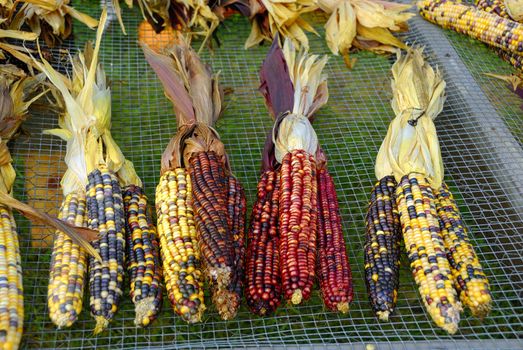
(352, 22)
(15, 91)
(418, 95)
(86, 122)
(284, 18)
(295, 130)
(515, 9)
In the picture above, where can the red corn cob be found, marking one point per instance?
(298, 216)
(263, 283)
(334, 271)
(209, 200)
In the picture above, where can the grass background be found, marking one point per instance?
(350, 127)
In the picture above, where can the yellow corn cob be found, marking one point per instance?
(68, 266)
(179, 245)
(11, 289)
(487, 27)
(470, 280)
(426, 250)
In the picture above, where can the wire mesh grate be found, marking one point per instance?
(350, 127)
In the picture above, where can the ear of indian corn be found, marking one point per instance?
(68, 265)
(382, 248)
(298, 215)
(487, 27)
(11, 289)
(143, 260)
(227, 300)
(469, 278)
(180, 253)
(498, 7)
(334, 271)
(105, 211)
(263, 282)
(426, 250)
(492, 6)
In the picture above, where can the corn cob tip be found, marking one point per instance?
(61, 321)
(383, 315)
(343, 307)
(222, 275)
(227, 303)
(297, 297)
(143, 310)
(101, 324)
(481, 311)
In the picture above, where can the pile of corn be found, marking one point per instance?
(411, 200)
(295, 232)
(490, 21)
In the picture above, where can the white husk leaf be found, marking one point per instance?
(295, 131)
(418, 94)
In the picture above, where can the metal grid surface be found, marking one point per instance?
(481, 174)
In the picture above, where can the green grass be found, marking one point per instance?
(350, 127)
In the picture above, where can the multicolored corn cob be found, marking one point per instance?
(487, 27)
(143, 257)
(210, 204)
(334, 271)
(11, 289)
(493, 6)
(498, 7)
(426, 250)
(217, 199)
(382, 248)
(263, 283)
(469, 278)
(105, 211)
(227, 300)
(180, 252)
(298, 224)
(68, 265)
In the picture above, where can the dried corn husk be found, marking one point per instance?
(364, 24)
(294, 131)
(515, 9)
(269, 17)
(17, 92)
(197, 100)
(411, 144)
(50, 19)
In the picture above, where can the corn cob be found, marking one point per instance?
(298, 218)
(68, 266)
(11, 289)
(180, 253)
(382, 248)
(210, 198)
(469, 278)
(334, 271)
(197, 146)
(426, 250)
(493, 6)
(106, 215)
(498, 7)
(229, 302)
(487, 27)
(263, 283)
(143, 261)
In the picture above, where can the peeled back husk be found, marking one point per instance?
(411, 144)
